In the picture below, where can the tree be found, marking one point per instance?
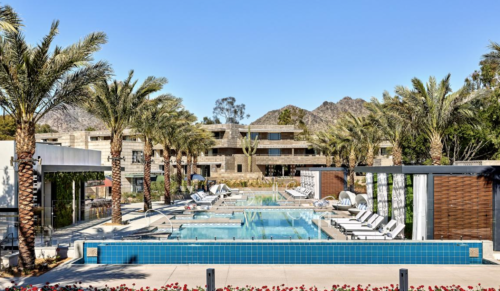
(90, 128)
(232, 112)
(208, 120)
(44, 128)
(7, 128)
(285, 117)
(433, 108)
(350, 131)
(9, 20)
(172, 126)
(145, 125)
(249, 147)
(116, 104)
(35, 80)
(392, 125)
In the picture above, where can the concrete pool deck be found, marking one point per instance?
(321, 276)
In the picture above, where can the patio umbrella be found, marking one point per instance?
(196, 177)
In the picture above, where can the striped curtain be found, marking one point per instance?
(398, 198)
(382, 197)
(369, 190)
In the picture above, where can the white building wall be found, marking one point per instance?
(8, 176)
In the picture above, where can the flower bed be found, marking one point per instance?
(177, 287)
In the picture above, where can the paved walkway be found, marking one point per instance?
(322, 276)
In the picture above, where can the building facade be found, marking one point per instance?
(279, 153)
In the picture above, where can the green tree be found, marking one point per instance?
(285, 117)
(350, 131)
(433, 108)
(208, 120)
(44, 128)
(146, 126)
(7, 128)
(35, 80)
(116, 104)
(232, 112)
(90, 128)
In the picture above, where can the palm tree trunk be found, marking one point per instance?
(338, 161)
(116, 189)
(166, 173)
(369, 156)
(148, 151)
(189, 168)
(178, 160)
(436, 148)
(195, 164)
(25, 148)
(397, 154)
(352, 164)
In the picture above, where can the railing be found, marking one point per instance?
(168, 219)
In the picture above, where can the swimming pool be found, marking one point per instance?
(319, 252)
(259, 224)
(264, 198)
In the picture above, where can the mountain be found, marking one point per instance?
(73, 119)
(319, 118)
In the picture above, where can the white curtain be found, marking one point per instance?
(382, 197)
(369, 190)
(398, 198)
(419, 207)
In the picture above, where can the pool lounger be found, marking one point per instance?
(299, 192)
(203, 199)
(365, 219)
(362, 216)
(389, 236)
(369, 227)
(386, 229)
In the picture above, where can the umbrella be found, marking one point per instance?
(196, 177)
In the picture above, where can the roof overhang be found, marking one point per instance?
(209, 163)
(74, 168)
(429, 169)
(270, 130)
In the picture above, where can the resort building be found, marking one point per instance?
(280, 153)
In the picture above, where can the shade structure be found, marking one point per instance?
(196, 177)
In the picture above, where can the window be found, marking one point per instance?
(274, 136)
(218, 134)
(215, 152)
(94, 138)
(137, 156)
(275, 152)
(254, 135)
(129, 138)
(107, 138)
(240, 168)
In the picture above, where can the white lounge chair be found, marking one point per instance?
(357, 218)
(347, 200)
(363, 221)
(394, 234)
(361, 202)
(386, 229)
(202, 199)
(364, 227)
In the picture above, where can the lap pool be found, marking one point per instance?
(319, 252)
(259, 224)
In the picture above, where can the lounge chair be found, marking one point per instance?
(346, 200)
(201, 199)
(299, 192)
(365, 219)
(347, 228)
(384, 230)
(361, 202)
(391, 235)
(347, 219)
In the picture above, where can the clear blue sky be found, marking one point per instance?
(270, 53)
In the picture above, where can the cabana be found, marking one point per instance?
(347, 200)
(361, 204)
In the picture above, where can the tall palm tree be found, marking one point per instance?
(34, 81)
(9, 20)
(372, 137)
(200, 141)
(116, 104)
(147, 126)
(392, 125)
(207, 142)
(432, 108)
(350, 130)
(322, 142)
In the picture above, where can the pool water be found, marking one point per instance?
(259, 224)
(260, 199)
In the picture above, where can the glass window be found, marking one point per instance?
(94, 138)
(254, 135)
(137, 156)
(240, 168)
(274, 136)
(275, 152)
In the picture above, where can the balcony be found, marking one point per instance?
(207, 160)
(290, 160)
(280, 144)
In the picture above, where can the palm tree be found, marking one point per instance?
(34, 81)
(350, 130)
(200, 141)
(9, 20)
(323, 142)
(392, 125)
(372, 137)
(172, 128)
(147, 126)
(433, 108)
(116, 104)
